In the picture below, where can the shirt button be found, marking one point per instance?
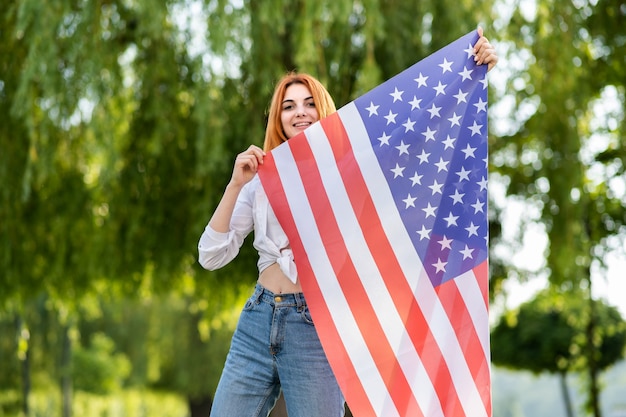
(278, 299)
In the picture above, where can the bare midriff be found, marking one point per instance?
(274, 280)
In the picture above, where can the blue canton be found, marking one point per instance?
(428, 128)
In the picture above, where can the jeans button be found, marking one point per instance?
(278, 299)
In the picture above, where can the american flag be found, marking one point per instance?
(385, 206)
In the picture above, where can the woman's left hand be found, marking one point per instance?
(484, 51)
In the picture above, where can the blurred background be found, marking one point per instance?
(119, 124)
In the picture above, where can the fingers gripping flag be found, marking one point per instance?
(385, 207)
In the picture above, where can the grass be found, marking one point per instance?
(131, 402)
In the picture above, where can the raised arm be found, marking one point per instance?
(485, 52)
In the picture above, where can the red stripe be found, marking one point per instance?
(482, 275)
(336, 353)
(484, 386)
(466, 333)
(415, 323)
(350, 282)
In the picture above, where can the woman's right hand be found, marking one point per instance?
(246, 165)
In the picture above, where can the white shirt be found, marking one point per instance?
(252, 212)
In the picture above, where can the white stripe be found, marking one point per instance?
(331, 291)
(371, 278)
(409, 261)
(475, 301)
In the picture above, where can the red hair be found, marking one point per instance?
(274, 134)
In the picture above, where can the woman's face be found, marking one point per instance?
(298, 110)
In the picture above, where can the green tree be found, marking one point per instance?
(98, 368)
(548, 334)
(175, 342)
(560, 151)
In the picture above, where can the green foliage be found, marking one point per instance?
(97, 368)
(561, 152)
(9, 341)
(129, 402)
(548, 334)
(559, 66)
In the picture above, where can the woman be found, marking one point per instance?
(275, 346)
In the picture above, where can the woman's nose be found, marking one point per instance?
(300, 111)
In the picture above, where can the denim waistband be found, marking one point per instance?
(278, 300)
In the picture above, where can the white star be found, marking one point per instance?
(484, 82)
(454, 120)
(478, 206)
(409, 201)
(463, 173)
(403, 148)
(457, 197)
(421, 81)
(446, 66)
(440, 89)
(472, 229)
(430, 211)
(434, 111)
(440, 266)
(445, 243)
(451, 220)
(429, 134)
(460, 97)
(391, 117)
(408, 125)
(397, 95)
(469, 51)
(397, 171)
(466, 74)
(442, 165)
(416, 179)
(423, 157)
(468, 151)
(372, 109)
(384, 139)
(475, 128)
(449, 142)
(436, 187)
(467, 253)
(481, 105)
(483, 183)
(415, 103)
(424, 233)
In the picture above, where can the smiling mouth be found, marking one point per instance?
(303, 124)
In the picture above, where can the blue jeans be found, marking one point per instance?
(275, 346)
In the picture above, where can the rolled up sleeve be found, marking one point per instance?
(216, 249)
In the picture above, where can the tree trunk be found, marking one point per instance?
(567, 400)
(66, 375)
(199, 407)
(594, 389)
(593, 402)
